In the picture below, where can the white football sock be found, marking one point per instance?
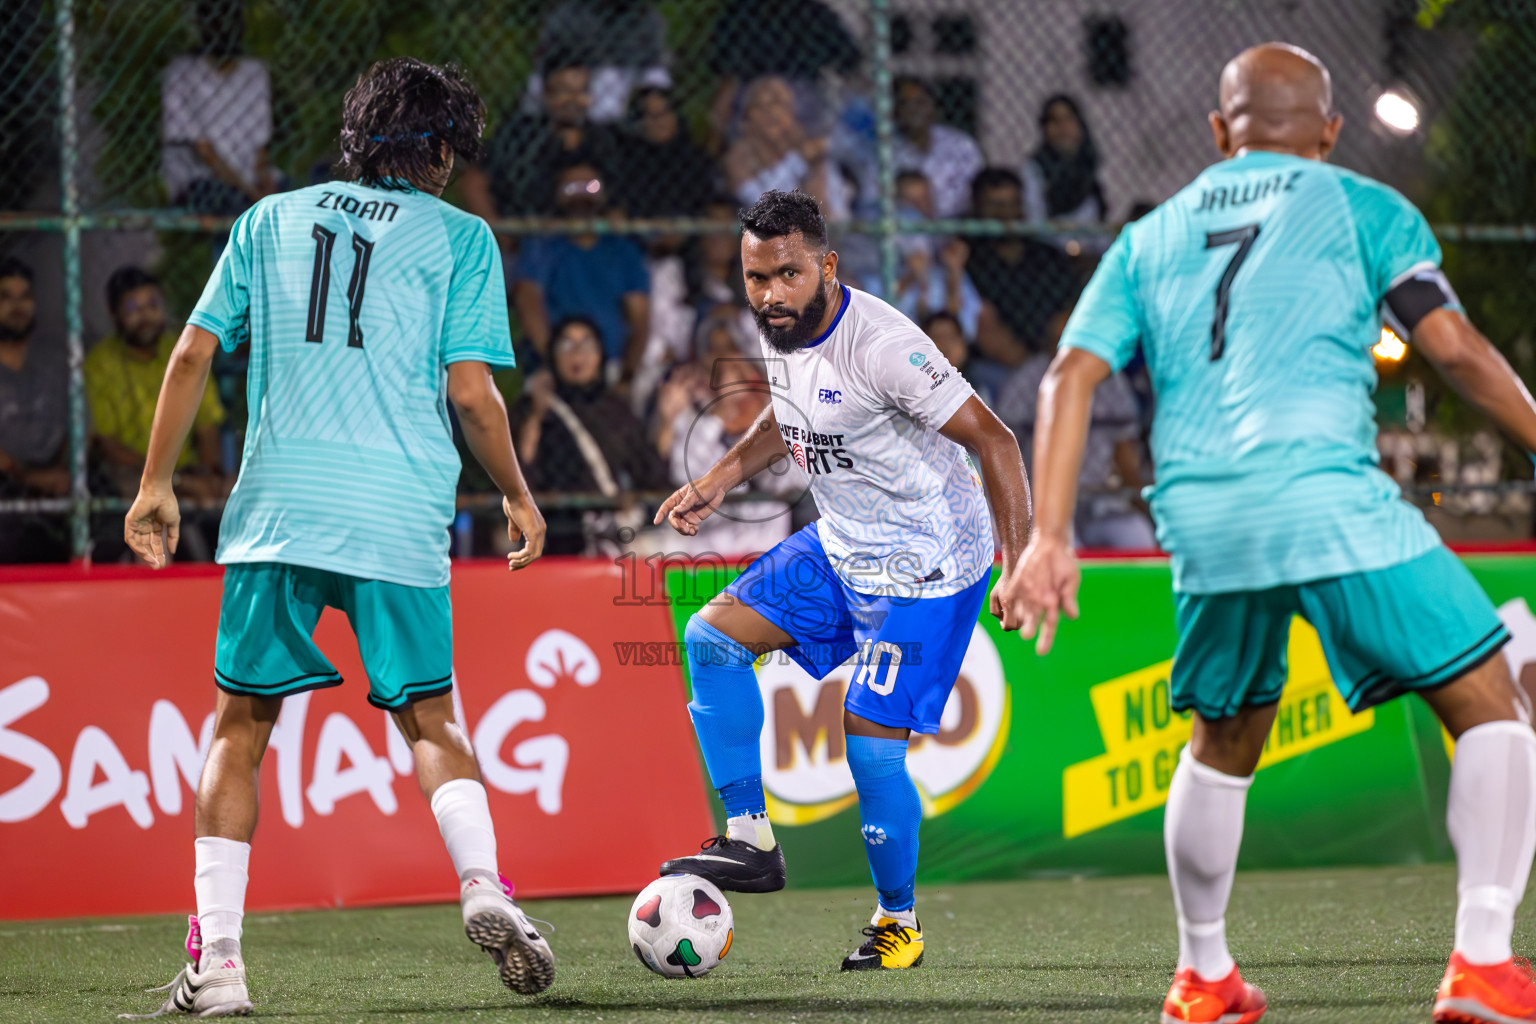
(223, 867)
(907, 918)
(751, 828)
(1202, 830)
(464, 817)
(1491, 816)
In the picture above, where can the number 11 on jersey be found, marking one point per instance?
(320, 285)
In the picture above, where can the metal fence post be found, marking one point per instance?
(885, 151)
(80, 510)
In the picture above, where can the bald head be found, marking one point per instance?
(1276, 97)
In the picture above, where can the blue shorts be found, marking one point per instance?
(269, 611)
(910, 649)
(1413, 626)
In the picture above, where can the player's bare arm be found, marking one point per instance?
(1049, 572)
(1478, 372)
(696, 501)
(153, 524)
(1002, 469)
(483, 417)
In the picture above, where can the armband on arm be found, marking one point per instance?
(1414, 295)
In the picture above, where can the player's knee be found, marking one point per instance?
(870, 758)
(707, 646)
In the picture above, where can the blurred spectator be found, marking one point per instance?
(216, 119)
(665, 174)
(623, 42)
(714, 265)
(791, 39)
(575, 436)
(1061, 180)
(597, 276)
(947, 157)
(933, 277)
(34, 421)
(774, 151)
(525, 155)
(1110, 512)
(735, 396)
(1027, 285)
(123, 374)
(944, 330)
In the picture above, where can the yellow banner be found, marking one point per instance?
(1143, 735)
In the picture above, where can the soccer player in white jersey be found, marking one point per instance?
(1256, 294)
(894, 572)
(369, 304)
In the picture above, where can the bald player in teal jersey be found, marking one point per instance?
(1257, 294)
(369, 304)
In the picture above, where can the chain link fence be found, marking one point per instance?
(974, 158)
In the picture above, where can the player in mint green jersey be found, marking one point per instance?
(1256, 295)
(369, 305)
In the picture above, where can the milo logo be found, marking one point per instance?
(805, 761)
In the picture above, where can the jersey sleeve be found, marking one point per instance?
(1399, 253)
(1107, 321)
(911, 373)
(224, 310)
(475, 327)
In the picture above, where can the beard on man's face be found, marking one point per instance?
(802, 327)
(10, 332)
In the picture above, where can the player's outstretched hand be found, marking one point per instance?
(690, 505)
(153, 526)
(1043, 588)
(526, 523)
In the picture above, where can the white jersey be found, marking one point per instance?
(902, 509)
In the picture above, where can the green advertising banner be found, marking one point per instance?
(1061, 765)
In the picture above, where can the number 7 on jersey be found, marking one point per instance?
(1243, 238)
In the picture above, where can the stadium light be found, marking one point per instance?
(1391, 348)
(1399, 113)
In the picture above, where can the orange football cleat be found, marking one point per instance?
(1193, 1000)
(1493, 994)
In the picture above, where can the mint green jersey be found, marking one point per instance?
(355, 301)
(1255, 295)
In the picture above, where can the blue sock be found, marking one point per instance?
(727, 711)
(889, 813)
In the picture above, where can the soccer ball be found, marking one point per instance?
(681, 926)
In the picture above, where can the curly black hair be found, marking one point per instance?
(398, 115)
(777, 213)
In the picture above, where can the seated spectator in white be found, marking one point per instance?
(600, 277)
(774, 151)
(622, 42)
(1110, 512)
(1061, 179)
(933, 276)
(949, 337)
(738, 394)
(575, 436)
(525, 155)
(34, 421)
(216, 119)
(946, 156)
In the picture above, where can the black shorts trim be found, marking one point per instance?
(1191, 706)
(1450, 663)
(319, 684)
(413, 692)
(224, 677)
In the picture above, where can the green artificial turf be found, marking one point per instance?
(1355, 946)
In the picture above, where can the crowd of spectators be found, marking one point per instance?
(637, 354)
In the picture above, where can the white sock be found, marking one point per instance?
(1491, 816)
(464, 817)
(223, 866)
(751, 828)
(1202, 830)
(908, 917)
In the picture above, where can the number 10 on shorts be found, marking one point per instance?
(870, 660)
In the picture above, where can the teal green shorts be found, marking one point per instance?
(1413, 626)
(269, 611)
